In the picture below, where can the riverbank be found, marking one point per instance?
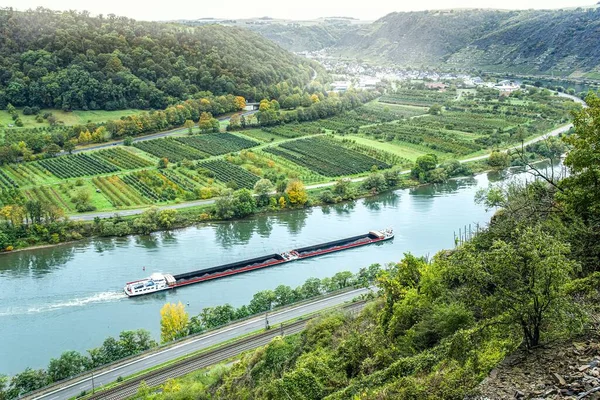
(193, 213)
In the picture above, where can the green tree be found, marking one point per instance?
(189, 124)
(263, 189)
(284, 295)
(261, 301)
(69, 364)
(435, 109)
(521, 280)
(28, 381)
(375, 183)
(163, 163)
(582, 187)
(499, 160)
(423, 167)
(244, 203)
(69, 146)
(52, 150)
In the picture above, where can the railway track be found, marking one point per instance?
(208, 358)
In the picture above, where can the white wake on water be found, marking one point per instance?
(77, 302)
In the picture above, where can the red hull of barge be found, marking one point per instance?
(277, 262)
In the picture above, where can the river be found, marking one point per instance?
(70, 297)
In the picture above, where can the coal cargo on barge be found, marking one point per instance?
(158, 281)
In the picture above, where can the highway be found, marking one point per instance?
(106, 375)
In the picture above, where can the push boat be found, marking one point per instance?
(159, 281)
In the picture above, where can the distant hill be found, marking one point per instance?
(531, 41)
(70, 60)
(291, 35)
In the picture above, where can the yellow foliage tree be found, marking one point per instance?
(282, 202)
(314, 98)
(173, 322)
(85, 137)
(240, 102)
(296, 193)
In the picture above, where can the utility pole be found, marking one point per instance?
(93, 386)
(267, 327)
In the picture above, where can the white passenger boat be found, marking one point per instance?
(155, 283)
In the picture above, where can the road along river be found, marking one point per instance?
(70, 297)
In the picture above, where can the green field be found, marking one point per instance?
(76, 117)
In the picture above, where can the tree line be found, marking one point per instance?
(176, 323)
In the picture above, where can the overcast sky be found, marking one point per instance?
(298, 9)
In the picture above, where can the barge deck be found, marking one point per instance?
(158, 281)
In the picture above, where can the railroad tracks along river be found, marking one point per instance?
(208, 358)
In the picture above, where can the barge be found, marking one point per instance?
(158, 281)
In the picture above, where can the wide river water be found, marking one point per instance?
(70, 297)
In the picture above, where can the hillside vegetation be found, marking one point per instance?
(70, 60)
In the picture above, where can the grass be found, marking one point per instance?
(69, 118)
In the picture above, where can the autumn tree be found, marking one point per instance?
(240, 102)
(205, 123)
(296, 193)
(173, 322)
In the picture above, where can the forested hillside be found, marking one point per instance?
(296, 37)
(70, 60)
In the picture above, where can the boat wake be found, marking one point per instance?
(77, 302)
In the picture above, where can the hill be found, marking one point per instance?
(292, 35)
(559, 42)
(532, 41)
(71, 60)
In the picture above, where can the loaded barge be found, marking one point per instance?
(158, 281)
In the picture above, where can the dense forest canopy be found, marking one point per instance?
(70, 60)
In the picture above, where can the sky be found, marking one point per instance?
(299, 10)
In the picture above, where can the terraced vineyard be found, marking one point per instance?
(292, 131)
(433, 138)
(217, 143)
(27, 173)
(118, 192)
(122, 158)
(49, 195)
(171, 149)
(77, 165)
(6, 182)
(154, 186)
(326, 157)
(227, 172)
(10, 196)
(423, 98)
